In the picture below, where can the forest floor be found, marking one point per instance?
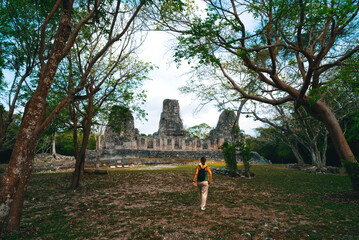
(161, 203)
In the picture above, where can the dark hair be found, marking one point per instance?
(203, 159)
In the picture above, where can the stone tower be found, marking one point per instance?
(121, 129)
(170, 121)
(224, 126)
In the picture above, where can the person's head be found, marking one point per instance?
(203, 160)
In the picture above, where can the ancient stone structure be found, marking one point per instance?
(224, 126)
(169, 142)
(170, 122)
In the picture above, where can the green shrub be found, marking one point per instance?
(229, 154)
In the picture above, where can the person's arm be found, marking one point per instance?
(210, 175)
(195, 175)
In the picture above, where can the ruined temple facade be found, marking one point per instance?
(171, 141)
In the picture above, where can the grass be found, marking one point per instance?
(161, 204)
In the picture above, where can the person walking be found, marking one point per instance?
(203, 176)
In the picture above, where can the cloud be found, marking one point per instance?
(164, 85)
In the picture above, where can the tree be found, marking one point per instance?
(19, 49)
(14, 180)
(230, 156)
(309, 37)
(244, 150)
(240, 147)
(10, 139)
(297, 128)
(115, 80)
(200, 131)
(349, 75)
(269, 144)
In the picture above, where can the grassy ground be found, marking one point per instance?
(162, 204)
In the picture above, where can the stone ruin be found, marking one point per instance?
(171, 141)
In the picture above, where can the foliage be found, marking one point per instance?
(244, 150)
(240, 147)
(200, 131)
(229, 154)
(349, 74)
(269, 144)
(286, 54)
(20, 21)
(11, 134)
(118, 117)
(2, 65)
(65, 143)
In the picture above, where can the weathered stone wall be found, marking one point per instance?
(114, 156)
(169, 142)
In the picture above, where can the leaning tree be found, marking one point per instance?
(266, 36)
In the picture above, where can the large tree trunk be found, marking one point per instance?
(315, 157)
(321, 112)
(21, 157)
(17, 174)
(17, 205)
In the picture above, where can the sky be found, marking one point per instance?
(166, 80)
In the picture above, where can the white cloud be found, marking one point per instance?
(164, 85)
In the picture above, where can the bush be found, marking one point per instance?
(245, 154)
(229, 154)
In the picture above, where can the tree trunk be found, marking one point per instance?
(324, 149)
(2, 128)
(80, 158)
(15, 177)
(76, 175)
(297, 154)
(321, 112)
(17, 205)
(53, 144)
(98, 147)
(314, 157)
